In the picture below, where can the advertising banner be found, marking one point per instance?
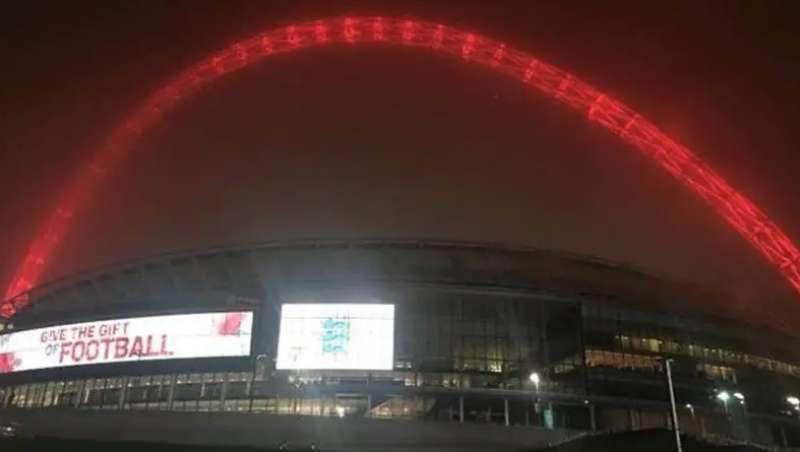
(203, 335)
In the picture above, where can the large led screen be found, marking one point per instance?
(204, 335)
(336, 336)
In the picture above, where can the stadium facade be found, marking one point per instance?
(427, 331)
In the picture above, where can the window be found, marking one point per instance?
(715, 372)
(602, 358)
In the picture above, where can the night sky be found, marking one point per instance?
(386, 142)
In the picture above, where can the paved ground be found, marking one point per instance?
(644, 440)
(649, 441)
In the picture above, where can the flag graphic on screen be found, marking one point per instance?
(335, 335)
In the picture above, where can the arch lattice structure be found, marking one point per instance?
(738, 211)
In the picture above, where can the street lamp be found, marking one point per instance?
(535, 379)
(795, 403)
(724, 396)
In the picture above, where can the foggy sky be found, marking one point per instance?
(384, 142)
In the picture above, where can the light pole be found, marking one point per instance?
(675, 426)
(795, 403)
(535, 379)
(740, 397)
(724, 397)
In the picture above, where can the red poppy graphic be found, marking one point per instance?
(6, 362)
(231, 324)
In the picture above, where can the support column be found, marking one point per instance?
(123, 391)
(505, 412)
(148, 391)
(632, 420)
(171, 394)
(461, 409)
(592, 418)
(527, 415)
(202, 392)
(7, 395)
(784, 441)
(250, 391)
(223, 393)
(43, 402)
(582, 343)
(60, 399)
(79, 395)
(26, 400)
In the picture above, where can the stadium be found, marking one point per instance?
(385, 336)
(391, 344)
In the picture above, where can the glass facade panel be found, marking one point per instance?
(706, 354)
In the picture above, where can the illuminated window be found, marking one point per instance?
(722, 373)
(495, 366)
(600, 358)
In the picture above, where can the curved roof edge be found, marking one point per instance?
(377, 242)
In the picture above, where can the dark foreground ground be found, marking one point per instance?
(53, 444)
(649, 440)
(644, 440)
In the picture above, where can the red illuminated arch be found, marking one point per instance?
(676, 159)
